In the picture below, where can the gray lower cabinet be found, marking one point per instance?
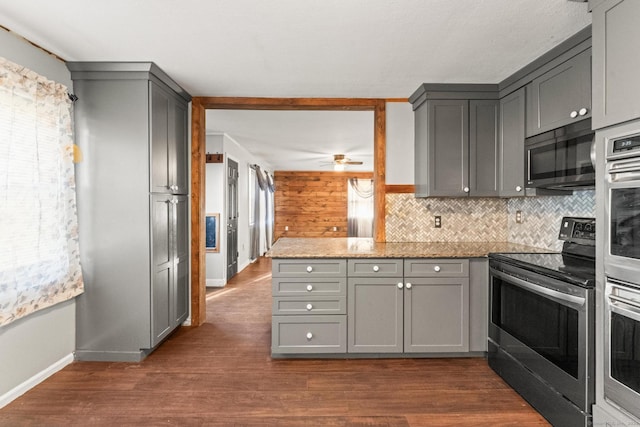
(456, 143)
(616, 83)
(133, 209)
(560, 96)
(511, 165)
(309, 306)
(423, 308)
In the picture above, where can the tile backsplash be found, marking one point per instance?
(541, 217)
(411, 219)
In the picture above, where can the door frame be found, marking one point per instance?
(199, 105)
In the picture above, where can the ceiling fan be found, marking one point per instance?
(340, 161)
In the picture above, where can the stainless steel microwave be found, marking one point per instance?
(562, 158)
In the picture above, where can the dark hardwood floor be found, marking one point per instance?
(221, 374)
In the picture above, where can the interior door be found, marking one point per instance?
(232, 218)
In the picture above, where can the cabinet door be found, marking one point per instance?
(162, 258)
(374, 315)
(179, 147)
(442, 148)
(511, 165)
(616, 82)
(180, 248)
(483, 147)
(436, 315)
(159, 139)
(560, 96)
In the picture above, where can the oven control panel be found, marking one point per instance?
(578, 230)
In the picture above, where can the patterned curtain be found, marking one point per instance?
(39, 254)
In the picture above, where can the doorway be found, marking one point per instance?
(199, 106)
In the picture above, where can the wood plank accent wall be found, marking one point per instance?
(311, 204)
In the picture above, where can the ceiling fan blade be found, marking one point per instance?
(351, 163)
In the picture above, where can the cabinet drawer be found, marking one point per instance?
(436, 267)
(309, 268)
(374, 267)
(308, 286)
(310, 305)
(309, 334)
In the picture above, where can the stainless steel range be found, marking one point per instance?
(541, 325)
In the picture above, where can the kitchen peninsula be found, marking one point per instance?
(353, 297)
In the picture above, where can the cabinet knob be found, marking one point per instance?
(436, 268)
(583, 111)
(376, 268)
(408, 286)
(400, 285)
(465, 189)
(309, 307)
(309, 335)
(309, 269)
(518, 188)
(309, 288)
(573, 114)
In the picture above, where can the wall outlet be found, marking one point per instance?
(437, 221)
(519, 217)
(286, 228)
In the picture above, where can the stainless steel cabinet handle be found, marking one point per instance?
(400, 285)
(573, 114)
(408, 285)
(583, 111)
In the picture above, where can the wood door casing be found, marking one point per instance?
(198, 151)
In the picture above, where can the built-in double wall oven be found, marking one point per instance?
(622, 271)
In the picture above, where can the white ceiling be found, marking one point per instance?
(303, 48)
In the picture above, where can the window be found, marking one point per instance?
(39, 258)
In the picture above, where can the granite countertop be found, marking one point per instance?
(337, 247)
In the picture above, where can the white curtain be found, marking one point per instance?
(360, 208)
(39, 254)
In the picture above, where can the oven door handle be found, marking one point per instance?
(541, 290)
(624, 307)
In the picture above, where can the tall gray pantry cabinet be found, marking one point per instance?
(133, 208)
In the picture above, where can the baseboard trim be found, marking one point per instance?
(21, 389)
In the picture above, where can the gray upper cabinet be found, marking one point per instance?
(560, 96)
(456, 140)
(169, 146)
(133, 209)
(616, 82)
(511, 170)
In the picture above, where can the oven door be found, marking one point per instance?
(545, 324)
(622, 233)
(622, 344)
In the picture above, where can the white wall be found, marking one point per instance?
(215, 203)
(37, 345)
(216, 200)
(400, 147)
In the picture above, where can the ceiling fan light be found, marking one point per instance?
(338, 167)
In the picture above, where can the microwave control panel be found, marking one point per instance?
(578, 229)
